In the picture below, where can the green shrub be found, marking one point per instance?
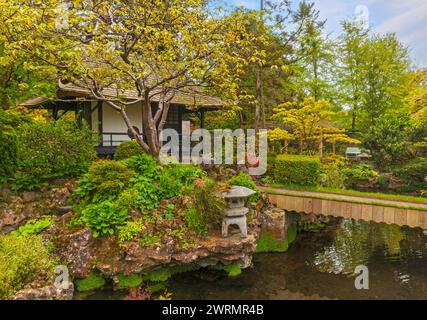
(22, 261)
(295, 169)
(110, 177)
(169, 187)
(128, 282)
(51, 150)
(332, 171)
(244, 180)
(195, 221)
(359, 173)
(127, 150)
(103, 218)
(9, 153)
(9, 121)
(145, 165)
(34, 227)
(91, 283)
(414, 171)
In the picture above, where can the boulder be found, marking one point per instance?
(46, 293)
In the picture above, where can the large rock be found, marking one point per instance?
(76, 247)
(273, 221)
(84, 253)
(46, 293)
(18, 209)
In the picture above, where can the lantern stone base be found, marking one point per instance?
(241, 222)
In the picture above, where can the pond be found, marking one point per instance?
(321, 265)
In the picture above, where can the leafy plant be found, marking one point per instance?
(244, 180)
(186, 174)
(150, 240)
(169, 187)
(145, 165)
(169, 212)
(127, 150)
(103, 218)
(34, 227)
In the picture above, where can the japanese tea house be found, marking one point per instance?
(109, 124)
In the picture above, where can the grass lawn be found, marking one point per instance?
(373, 195)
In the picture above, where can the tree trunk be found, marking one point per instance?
(150, 128)
(258, 98)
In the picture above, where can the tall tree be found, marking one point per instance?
(157, 48)
(316, 57)
(386, 69)
(18, 79)
(352, 71)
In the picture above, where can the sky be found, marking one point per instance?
(406, 18)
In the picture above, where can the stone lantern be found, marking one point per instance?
(235, 213)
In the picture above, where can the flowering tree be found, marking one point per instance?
(154, 47)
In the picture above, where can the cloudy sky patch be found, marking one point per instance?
(406, 18)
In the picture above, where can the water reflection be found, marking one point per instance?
(321, 265)
(354, 244)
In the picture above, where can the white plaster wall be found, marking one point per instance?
(114, 123)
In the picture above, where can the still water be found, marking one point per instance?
(321, 265)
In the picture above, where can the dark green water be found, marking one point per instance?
(321, 265)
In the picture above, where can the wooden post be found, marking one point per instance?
(100, 122)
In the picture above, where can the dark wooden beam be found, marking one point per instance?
(100, 122)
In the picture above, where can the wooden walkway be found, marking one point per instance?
(354, 207)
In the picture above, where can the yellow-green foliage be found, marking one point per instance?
(34, 227)
(127, 150)
(297, 169)
(130, 230)
(23, 259)
(110, 176)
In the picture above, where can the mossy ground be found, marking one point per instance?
(127, 282)
(91, 283)
(268, 242)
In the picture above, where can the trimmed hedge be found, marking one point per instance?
(296, 169)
